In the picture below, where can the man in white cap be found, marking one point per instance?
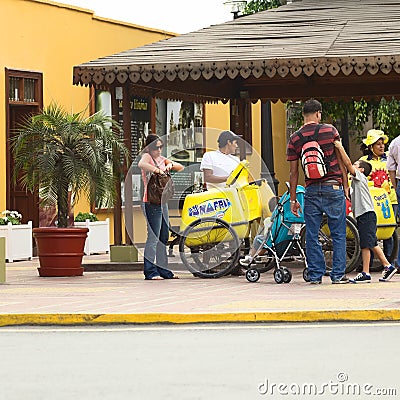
(218, 164)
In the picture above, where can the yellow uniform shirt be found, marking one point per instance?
(379, 174)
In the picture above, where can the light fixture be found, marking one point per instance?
(235, 7)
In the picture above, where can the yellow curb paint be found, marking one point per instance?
(154, 318)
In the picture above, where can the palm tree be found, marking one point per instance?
(57, 152)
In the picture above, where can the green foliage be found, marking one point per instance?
(385, 114)
(255, 6)
(82, 217)
(58, 153)
(295, 117)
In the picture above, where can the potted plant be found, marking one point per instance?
(66, 155)
(98, 239)
(18, 237)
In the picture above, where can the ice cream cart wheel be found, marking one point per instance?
(209, 248)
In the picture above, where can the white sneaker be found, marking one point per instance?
(246, 261)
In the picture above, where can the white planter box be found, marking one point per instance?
(18, 241)
(98, 240)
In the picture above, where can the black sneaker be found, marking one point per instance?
(362, 277)
(387, 274)
(342, 280)
(315, 282)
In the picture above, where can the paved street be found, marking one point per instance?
(192, 362)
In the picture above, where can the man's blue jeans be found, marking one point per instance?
(155, 251)
(319, 200)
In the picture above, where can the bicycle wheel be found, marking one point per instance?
(209, 248)
(353, 251)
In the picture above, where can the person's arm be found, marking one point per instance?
(344, 174)
(173, 165)
(392, 176)
(344, 157)
(147, 166)
(391, 166)
(293, 180)
(211, 178)
(207, 166)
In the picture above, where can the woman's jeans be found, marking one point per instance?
(320, 199)
(155, 251)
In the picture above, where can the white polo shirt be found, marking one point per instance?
(220, 164)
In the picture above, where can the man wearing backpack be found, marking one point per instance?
(324, 193)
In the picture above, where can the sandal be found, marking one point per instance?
(173, 277)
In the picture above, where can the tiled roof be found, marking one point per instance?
(304, 45)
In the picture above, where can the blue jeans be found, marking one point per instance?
(321, 200)
(155, 251)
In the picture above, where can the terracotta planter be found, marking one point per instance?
(60, 250)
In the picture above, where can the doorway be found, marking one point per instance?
(24, 99)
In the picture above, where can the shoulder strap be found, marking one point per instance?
(314, 136)
(318, 127)
(154, 161)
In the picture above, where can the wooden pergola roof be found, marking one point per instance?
(321, 48)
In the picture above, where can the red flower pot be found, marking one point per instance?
(60, 250)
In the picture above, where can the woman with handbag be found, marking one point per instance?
(155, 168)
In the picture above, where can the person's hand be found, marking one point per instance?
(294, 208)
(169, 166)
(158, 171)
(338, 143)
(347, 192)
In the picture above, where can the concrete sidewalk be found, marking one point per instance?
(123, 296)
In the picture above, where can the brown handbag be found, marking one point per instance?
(160, 188)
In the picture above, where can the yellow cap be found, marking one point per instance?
(373, 135)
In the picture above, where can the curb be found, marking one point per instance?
(159, 318)
(112, 266)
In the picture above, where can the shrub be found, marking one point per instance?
(82, 217)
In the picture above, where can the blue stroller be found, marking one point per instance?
(280, 241)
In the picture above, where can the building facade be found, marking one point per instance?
(43, 40)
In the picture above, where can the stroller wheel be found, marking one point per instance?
(287, 275)
(278, 275)
(305, 275)
(252, 275)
